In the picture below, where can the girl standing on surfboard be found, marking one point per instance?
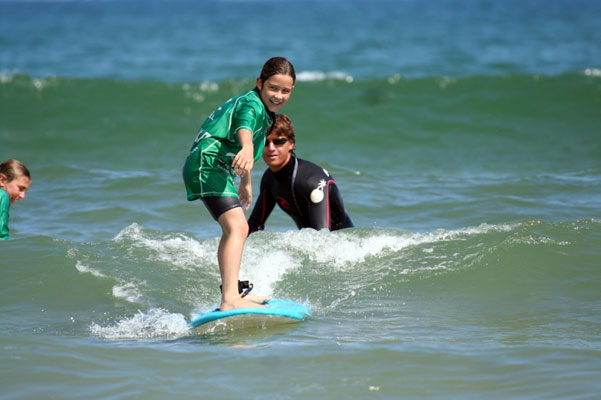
(14, 182)
(229, 141)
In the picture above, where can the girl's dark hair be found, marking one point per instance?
(277, 65)
(13, 169)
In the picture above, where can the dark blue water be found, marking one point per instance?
(215, 40)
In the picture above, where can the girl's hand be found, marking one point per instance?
(245, 191)
(243, 162)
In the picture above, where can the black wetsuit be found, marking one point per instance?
(306, 192)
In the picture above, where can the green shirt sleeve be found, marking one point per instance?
(4, 215)
(245, 117)
(218, 134)
(251, 114)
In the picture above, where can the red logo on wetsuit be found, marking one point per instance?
(284, 203)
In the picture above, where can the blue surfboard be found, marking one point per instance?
(276, 310)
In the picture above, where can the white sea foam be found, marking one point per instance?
(196, 93)
(128, 291)
(38, 83)
(206, 86)
(154, 323)
(269, 256)
(318, 76)
(343, 248)
(175, 249)
(7, 77)
(84, 269)
(265, 268)
(593, 72)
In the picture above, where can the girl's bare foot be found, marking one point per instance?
(238, 302)
(257, 299)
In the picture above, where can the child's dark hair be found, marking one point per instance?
(13, 169)
(277, 65)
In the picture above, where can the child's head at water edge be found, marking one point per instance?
(15, 179)
(276, 82)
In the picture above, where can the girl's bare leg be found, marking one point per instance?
(235, 230)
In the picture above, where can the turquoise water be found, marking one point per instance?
(464, 136)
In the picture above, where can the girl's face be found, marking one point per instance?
(275, 91)
(277, 150)
(16, 188)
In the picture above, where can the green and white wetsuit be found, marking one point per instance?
(208, 168)
(4, 214)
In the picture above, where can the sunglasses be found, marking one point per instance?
(276, 142)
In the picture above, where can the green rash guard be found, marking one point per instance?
(4, 208)
(208, 168)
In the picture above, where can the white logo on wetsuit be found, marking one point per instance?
(317, 193)
(202, 134)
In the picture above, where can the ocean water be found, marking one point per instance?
(465, 137)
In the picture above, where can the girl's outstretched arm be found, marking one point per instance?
(244, 160)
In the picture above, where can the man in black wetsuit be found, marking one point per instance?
(303, 190)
